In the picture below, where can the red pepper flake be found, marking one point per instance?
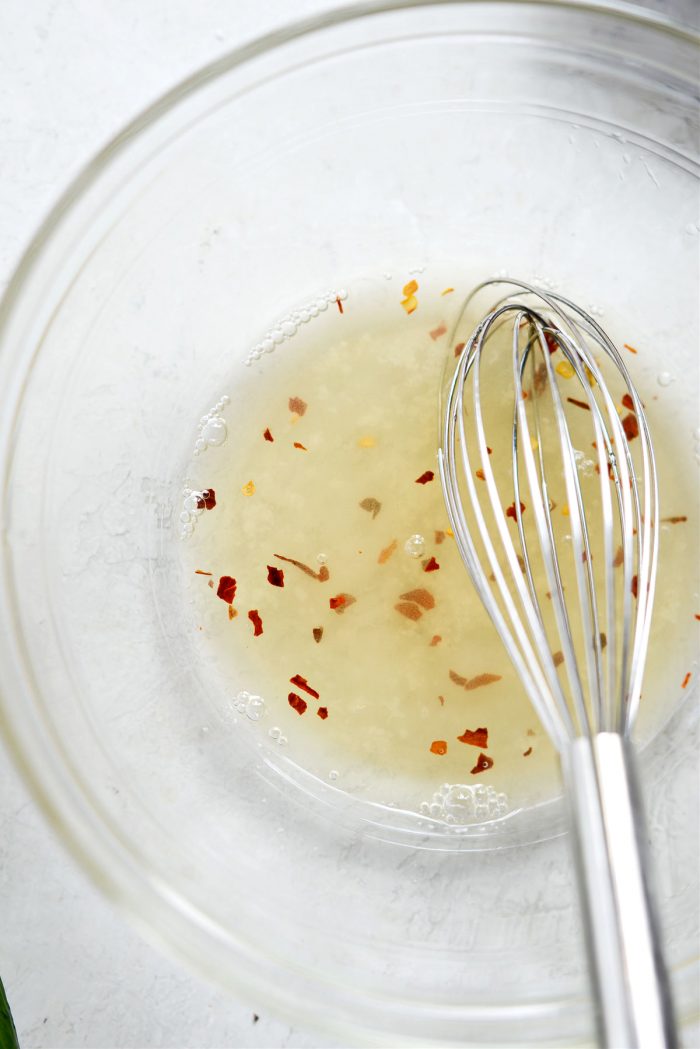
(439, 537)
(232, 613)
(341, 601)
(339, 304)
(579, 404)
(421, 596)
(527, 753)
(226, 589)
(411, 611)
(254, 617)
(627, 402)
(437, 332)
(630, 348)
(431, 565)
(484, 762)
(480, 680)
(298, 444)
(297, 703)
(603, 640)
(304, 685)
(386, 553)
(630, 426)
(459, 347)
(510, 512)
(318, 633)
(210, 582)
(558, 658)
(322, 713)
(686, 679)
(442, 700)
(635, 585)
(477, 738)
(275, 576)
(207, 500)
(198, 571)
(425, 477)
(371, 505)
(457, 678)
(552, 344)
(438, 746)
(619, 557)
(267, 435)
(674, 520)
(322, 575)
(297, 406)
(435, 640)
(697, 616)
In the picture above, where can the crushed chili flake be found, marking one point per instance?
(339, 304)
(603, 639)
(386, 553)
(511, 512)
(530, 732)
(489, 450)
(421, 597)
(410, 302)
(442, 700)
(481, 475)
(341, 601)
(267, 435)
(446, 291)
(210, 582)
(435, 640)
(371, 505)
(479, 737)
(298, 444)
(411, 611)
(232, 613)
(439, 537)
(484, 762)
(248, 489)
(297, 703)
(207, 500)
(686, 679)
(322, 713)
(630, 426)
(527, 753)
(226, 589)
(297, 406)
(630, 348)
(579, 404)
(317, 633)
(438, 746)
(275, 576)
(322, 575)
(480, 680)
(448, 531)
(425, 477)
(619, 557)
(459, 347)
(254, 617)
(552, 344)
(565, 369)
(431, 565)
(437, 332)
(558, 658)
(304, 685)
(635, 586)
(627, 402)
(198, 571)
(457, 678)
(674, 520)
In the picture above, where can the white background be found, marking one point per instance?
(72, 72)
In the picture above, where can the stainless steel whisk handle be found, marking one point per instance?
(623, 937)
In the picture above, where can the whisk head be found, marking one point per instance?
(549, 478)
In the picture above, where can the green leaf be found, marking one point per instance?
(8, 1034)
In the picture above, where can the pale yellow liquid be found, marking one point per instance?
(370, 378)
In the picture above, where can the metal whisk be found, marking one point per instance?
(569, 587)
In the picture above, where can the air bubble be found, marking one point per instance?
(664, 379)
(275, 733)
(415, 545)
(322, 304)
(283, 741)
(200, 445)
(322, 559)
(268, 345)
(342, 294)
(333, 774)
(288, 328)
(215, 432)
(255, 708)
(277, 336)
(185, 517)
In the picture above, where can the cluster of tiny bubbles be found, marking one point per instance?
(322, 559)
(191, 509)
(584, 465)
(212, 430)
(415, 545)
(276, 735)
(664, 378)
(594, 310)
(249, 704)
(287, 327)
(461, 804)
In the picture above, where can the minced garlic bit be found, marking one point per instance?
(446, 291)
(248, 489)
(565, 369)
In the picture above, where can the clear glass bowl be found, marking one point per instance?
(547, 139)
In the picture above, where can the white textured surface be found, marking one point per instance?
(71, 73)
